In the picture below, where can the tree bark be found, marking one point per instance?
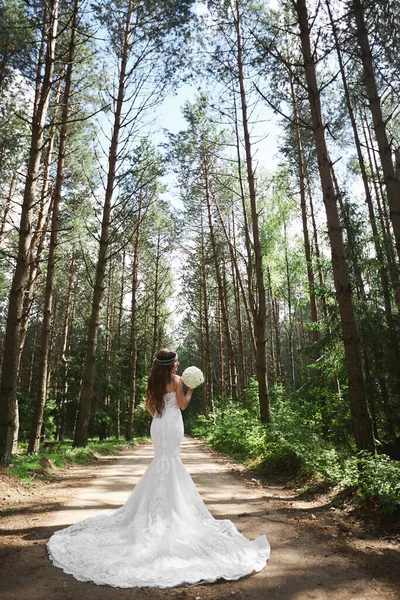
(8, 385)
(41, 397)
(109, 324)
(156, 292)
(221, 295)
(261, 309)
(236, 293)
(303, 205)
(392, 182)
(7, 207)
(64, 346)
(289, 328)
(119, 352)
(202, 340)
(82, 424)
(41, 226)
(361, 419)
(133, 336)
(381, 207)
(207, 349)
(368, 197)
(321, 278)
(232, 250)
(221, 357)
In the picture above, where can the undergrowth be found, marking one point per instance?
(62, 454)
(298, 444)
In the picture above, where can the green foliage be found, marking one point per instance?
(297, 444)
(16, 38)
(141, 422)
(62, 455)
(378, 481)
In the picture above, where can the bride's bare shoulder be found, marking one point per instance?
(176, 379)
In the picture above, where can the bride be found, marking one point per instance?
(163, 536)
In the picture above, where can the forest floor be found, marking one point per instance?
(318, 552)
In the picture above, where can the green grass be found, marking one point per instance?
(62, 455)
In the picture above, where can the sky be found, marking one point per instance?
(265, 134)
(170, 118)
(265, 137)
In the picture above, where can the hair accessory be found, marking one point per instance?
(167, 361)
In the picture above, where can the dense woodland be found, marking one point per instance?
(277, 276)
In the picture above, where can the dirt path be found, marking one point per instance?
(312, 557)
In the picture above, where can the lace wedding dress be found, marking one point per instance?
(163, 536)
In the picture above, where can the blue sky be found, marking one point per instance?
(265, 136)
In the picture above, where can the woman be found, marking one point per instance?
(163, 536)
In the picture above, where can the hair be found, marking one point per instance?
(160, 376)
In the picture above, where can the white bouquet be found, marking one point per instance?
(192, 377)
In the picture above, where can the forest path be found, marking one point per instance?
(310, 559)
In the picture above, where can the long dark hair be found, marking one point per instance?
(160, 376)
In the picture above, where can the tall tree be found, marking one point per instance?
(8, 385)
(259, 309)
(386, 153)
(361, 419)
(51, 261)
(138, 35)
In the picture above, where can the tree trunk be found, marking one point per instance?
(7, 207)
(207, 348)
(202, 342)
(119, 344)
(303, 204)
(230, 355)
(273, 370)
(64, 346)
(232, 250)
(133, 337)
(221, 358)
(8, 385)
(361, 419)
(109, 324)
(392, 183)
(236, 293)
(82, 424)
(156, 292)
(41, 397)
(261, 309)
(380, 203)
(368, 197)
(276, 314)
(321, 278)
(41, 227)
(221, 295)
(289, 329)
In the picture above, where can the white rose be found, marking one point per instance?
(192, 377)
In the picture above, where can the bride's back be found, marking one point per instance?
(171, 385)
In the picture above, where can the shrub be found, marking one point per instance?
(297, 443)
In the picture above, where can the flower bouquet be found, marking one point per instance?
(192, 377)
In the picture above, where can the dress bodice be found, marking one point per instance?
(170, 399)
(167, 429)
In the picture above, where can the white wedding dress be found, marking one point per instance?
(163, 536)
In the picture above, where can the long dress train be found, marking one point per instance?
(163, 536)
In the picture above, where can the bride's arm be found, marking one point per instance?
(183, 400)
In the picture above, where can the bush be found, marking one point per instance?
(297, 443)
(378, 482)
